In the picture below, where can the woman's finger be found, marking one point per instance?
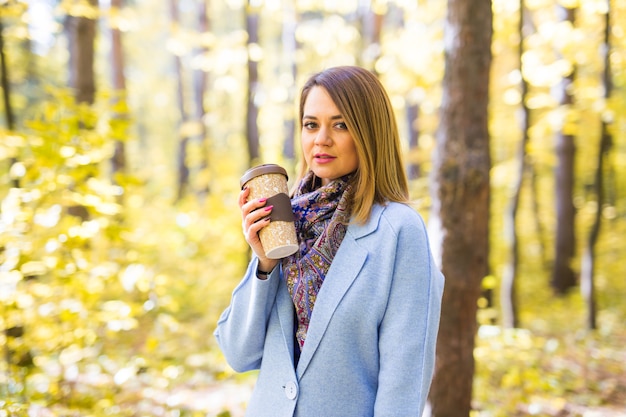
(243, 197)
(257, 215)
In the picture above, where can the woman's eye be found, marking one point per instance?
(310, 125)
(341, 125)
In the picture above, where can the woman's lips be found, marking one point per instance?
(323, 158)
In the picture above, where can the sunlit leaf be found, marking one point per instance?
(33, 268)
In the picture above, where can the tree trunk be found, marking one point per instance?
(6, 85)
(290, 46)
(118, 161)
(460, 212)
(200, 81)
(587, 284)
(252, 129)
(508, 290)
(540, 229)
(563, 277)
(6, 96)
(412, 117)
(81, 34)
(371, 26)
(181, 162)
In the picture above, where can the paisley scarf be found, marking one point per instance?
(322, 216)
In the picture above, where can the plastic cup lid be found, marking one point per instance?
(262, 170)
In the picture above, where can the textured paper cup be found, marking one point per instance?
(270, 181)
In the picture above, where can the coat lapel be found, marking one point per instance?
(286, 317)
(344, 269)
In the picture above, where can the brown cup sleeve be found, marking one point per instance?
(282, 208)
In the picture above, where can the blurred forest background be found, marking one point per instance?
(126, 125)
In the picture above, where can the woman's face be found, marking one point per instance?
(328, 147)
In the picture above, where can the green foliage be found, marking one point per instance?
(520, 372)
(101, 297)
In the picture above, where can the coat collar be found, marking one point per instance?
(343, 271)
(360, 230)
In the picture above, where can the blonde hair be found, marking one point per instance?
(369, 117)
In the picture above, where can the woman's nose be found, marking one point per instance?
(323, 137)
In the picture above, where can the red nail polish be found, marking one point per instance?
(268, 208)
(262, 200)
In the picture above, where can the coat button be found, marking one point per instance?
(291, 390)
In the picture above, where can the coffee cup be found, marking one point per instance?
(269, 181)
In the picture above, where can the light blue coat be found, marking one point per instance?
(370, 346)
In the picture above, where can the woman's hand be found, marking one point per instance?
(254, 218)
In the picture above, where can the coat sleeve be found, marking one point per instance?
(408, 331)
(241, 328)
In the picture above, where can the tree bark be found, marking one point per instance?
(540, 229)
(252, 129)
(6, 85)
(200, 81)
(81, 34)
(412, 117)
(587, 279)
(181, 162)
(563, 277)
(118, 161)
(371, 27)
(508, 290)
(290, 47)
(6, 95)
(460, 212)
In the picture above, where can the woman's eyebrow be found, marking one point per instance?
(336, 117)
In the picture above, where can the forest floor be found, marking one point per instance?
(518, 373)
(554, 374)
(228, 398)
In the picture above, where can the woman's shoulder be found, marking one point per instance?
(401, 215)
(395, 209)
(391, 218)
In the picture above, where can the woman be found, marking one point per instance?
(346, 326)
